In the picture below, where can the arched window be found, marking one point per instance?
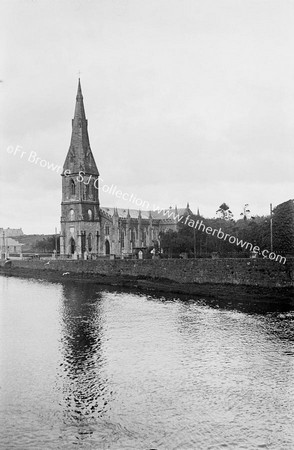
(107, 247)
(73, 187)
(83, 241)
(90, 242)
(90, 214)
(133, 236)
(72, 245)
(71, 214)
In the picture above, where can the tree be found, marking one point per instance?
(283, 228)
(246, 212)
(224, 212)
(46, 245)
(255, 231)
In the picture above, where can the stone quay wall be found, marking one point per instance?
(250, 272)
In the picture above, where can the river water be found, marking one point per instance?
(94, 368)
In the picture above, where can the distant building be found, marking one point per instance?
(86, 227)
(9, 246)
(11, 232)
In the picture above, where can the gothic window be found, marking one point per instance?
(83, 241)
(71, 214)
(122, 239)
(134, 236)
(107, 230)
(144, 237)
(72, 245)
(73, 187)
(90, 214)
(90, 242)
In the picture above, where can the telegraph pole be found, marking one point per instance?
(55, 241)
(271, 225)
(3, 246)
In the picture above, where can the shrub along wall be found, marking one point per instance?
(283, 228)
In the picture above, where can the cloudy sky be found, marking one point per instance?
(186, 100)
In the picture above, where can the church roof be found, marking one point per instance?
(80, 156)
(168, 215)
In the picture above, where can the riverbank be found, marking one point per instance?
(245, 279)
(248, 272)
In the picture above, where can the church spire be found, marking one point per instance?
(79, 109)
(80, 157)
(79, 88)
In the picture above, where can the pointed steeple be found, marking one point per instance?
(79, 89)
(79, 156)
(79, 109)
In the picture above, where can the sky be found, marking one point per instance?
(186, 101)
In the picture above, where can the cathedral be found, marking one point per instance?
(89, 230)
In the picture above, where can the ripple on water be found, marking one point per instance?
(109, 370)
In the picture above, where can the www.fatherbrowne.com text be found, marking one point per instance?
(187, 220)
(169, 213)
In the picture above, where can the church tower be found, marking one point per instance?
(80, 211)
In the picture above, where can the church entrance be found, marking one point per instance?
(72, 245)
(107, 247)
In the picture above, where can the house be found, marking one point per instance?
(9, 246)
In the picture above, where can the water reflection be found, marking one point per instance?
(96, 369)
(85, 391)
